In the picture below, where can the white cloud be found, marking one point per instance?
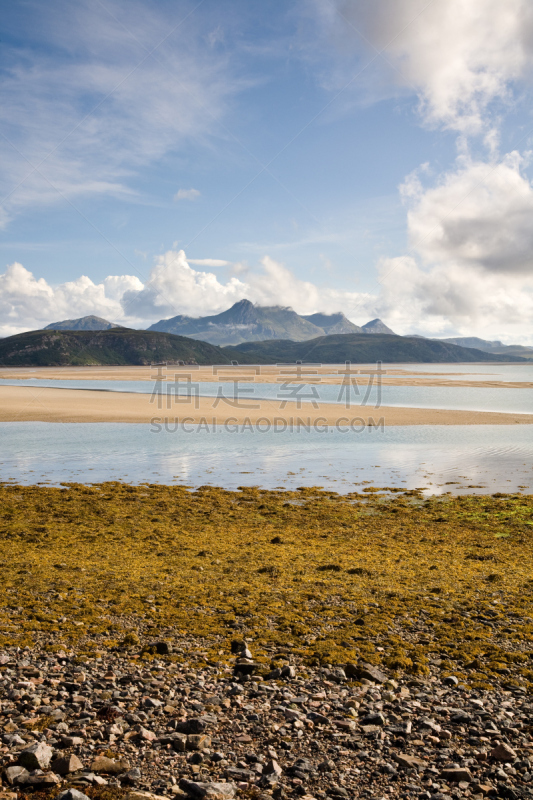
(209, 262)
(458, 56)
(187, 194)
(173, 287)
(470, 267)
(28, 303)
(437, 301)
(454, 300)
(478, 215)
(92, 107)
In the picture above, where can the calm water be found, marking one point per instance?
(439, 458)
(464, 397)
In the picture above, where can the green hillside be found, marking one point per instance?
(362, 348)
(120, 346)
(123, 347)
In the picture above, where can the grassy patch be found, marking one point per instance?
(398, 580)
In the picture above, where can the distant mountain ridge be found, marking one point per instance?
(89, 323)
(495, 347)
(246, 322)
(362, 349)
(123, 346)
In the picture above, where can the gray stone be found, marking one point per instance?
(193, 725)
(72, 794)
(318, 719)
(450, 680)
(272, 768)
(365, 670)
(213, 791)
(37, 756)
(131, 777)
(67, 764)
(16, 775)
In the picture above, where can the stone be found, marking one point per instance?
(71, 741)
(40, 779)
(288, 672)
(138, 795)
(318, 719)
(244, 666)
(407, 761)
(198, 741)
(272, 768)
(503, 752)
(37, 756)
(67, 764)
(162, 648)
(72, 794)
(109, 766)
(456, 775)
(15, 775)
(145, 735)
(213, 791)
(131, 777)
(373, 719)
(450, 680)
(193, 725)
(367, 671)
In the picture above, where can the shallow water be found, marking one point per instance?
(478, 459)
(519, 401)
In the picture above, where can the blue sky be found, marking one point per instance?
(172, 157)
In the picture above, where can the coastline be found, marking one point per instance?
(36, 404)
(325, 374)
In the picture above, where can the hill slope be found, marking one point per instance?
(362, 348)
(90, 323)
(118, 346)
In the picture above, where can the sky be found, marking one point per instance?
(173, 157)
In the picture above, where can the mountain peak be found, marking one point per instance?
(377, 326)
(89, 323)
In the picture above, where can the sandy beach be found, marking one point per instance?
(334, 374)
(21, 403)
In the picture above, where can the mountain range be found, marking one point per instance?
(243, 322)
(246, 322)
(123, 346)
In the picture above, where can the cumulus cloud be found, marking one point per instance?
(89, 108)
(451, 300)
(458, 56)
(187, 194)
(27, 302)
(438, 301)
(173, 287)
(478, 215)
(208, 262)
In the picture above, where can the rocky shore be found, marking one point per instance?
(116, 726)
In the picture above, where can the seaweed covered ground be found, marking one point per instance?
(419, 586)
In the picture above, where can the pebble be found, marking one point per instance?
(162, 729)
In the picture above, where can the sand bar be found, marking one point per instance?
(24, 404)
(334, 374)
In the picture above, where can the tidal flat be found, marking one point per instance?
(418, 585)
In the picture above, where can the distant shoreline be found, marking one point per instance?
(325, 374)
(40, 404)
